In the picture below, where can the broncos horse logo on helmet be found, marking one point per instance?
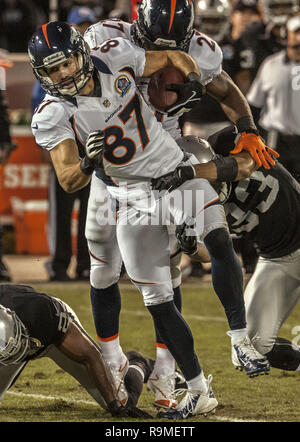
(52, 44)
(164, 24)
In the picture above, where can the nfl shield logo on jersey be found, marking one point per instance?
(122, 85)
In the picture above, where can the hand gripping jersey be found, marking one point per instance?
(203, 49)
(137, 147)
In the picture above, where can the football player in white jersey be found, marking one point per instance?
(86, 94)
(132, 153)
(150, 31)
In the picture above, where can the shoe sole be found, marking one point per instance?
(255, 373)
(165, 404)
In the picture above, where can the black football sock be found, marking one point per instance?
(106, 307)
(178, 303)
(227, 276)
(177, 336)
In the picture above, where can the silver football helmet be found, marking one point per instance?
(204, 153)
(14, 338)
(277, 12)
(212, 17)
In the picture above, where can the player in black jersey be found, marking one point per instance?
(262, 38)
(35, 325)
(264, 206)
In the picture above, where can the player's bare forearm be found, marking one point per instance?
(65, 159)
(156, 60)
(233, 102)
(245, 166)
(77, 346)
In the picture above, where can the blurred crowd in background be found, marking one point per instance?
(260, 40)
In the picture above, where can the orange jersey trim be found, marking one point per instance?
(111, 338)
(98, 259)
(212, 202)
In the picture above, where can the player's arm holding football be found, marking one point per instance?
(188, 93)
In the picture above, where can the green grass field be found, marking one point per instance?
(44, 393)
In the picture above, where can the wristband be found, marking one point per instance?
(227, 168)
(246, 124)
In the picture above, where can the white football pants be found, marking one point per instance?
(270, 296)
(106, 260)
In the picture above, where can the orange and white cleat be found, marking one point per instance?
(163, 386)
(118, 374)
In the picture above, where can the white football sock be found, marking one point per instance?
(164, 363)
(237, 335)
(198, 383)
(112, 352)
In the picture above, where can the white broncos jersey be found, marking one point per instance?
(137, 148)
(205, 51)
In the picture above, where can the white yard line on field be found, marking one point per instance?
(82, 401)
(186, 316)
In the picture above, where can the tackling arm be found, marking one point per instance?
(232, 168)
(79, 348)
(245, 166)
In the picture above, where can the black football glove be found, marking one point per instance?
(94, 151)
(189, 94)
(188, 244)
(174, 179)
(137, 413)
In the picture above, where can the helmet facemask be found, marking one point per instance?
(14, 338)
(79, 79)
(43, 62)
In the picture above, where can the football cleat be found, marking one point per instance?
(163, 386)
(118, 374)
(245, 357)
(194, 403)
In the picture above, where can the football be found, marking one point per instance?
(159, 97)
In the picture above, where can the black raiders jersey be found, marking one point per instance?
(265, 207)
(253, 46)
(45, 317)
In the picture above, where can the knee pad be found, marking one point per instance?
(155, 294)
(103, 276)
